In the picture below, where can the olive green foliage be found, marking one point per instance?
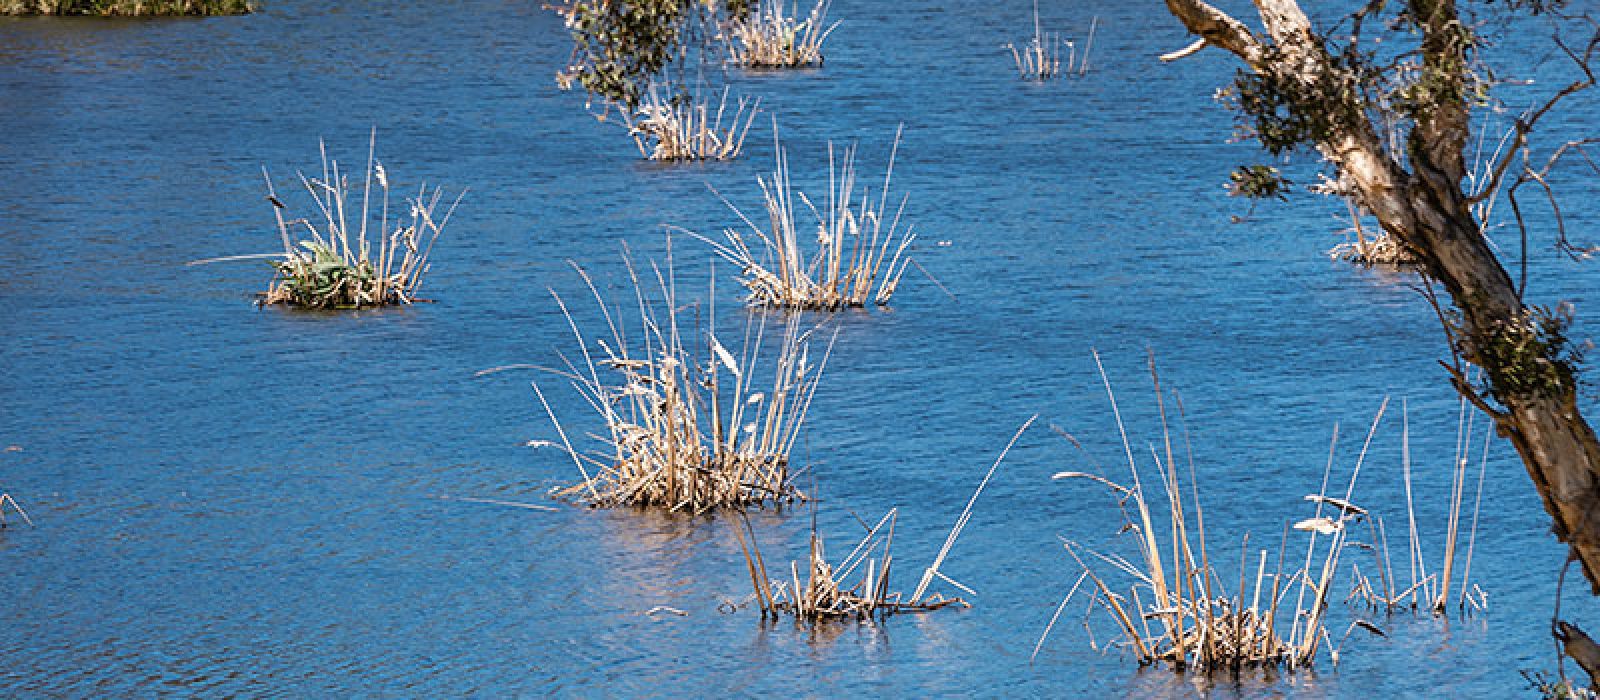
(1284, 111)
(1530, 356)
(1559, 689)
(124, 7)
(1258, 182)
(620, 47)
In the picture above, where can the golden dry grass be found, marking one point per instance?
(858, 586)
(776, 37)
(347, 256)
(684, 432)
(861, 249)
(1178, 610)
(687, 129)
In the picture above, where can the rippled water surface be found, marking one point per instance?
(257, 502)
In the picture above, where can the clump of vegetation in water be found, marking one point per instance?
(862, 248)
(827, 595)
(772, 37)
(350, 257)
(687, 433)
(1185, 616)
(128, 8)
(1040, 57)
(683, 128)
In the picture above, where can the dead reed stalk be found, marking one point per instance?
(824, 595)
(686, 433)
(341, 266)
(862, 249)
(1186, 617)
(775, 37)
(5, 498)
(684, 128)
(1424, 590)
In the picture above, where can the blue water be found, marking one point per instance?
(232, 501)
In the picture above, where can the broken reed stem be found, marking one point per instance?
(1201, 625)
(5, 498)
(775, 37)
(862, 251)
(683, 128)
(327, 271)
(684, 433)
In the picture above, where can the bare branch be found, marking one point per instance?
(1218, 29)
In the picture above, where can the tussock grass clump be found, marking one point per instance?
(773, 37)
(684, 128)
(349, 257)
(129, 8)
(1426, 590)
(827, 593)
(685, 432)
(1178, 610)
(1040, 58)
(5, 500)
(861, 252)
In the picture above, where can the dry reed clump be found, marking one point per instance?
(1368, 248)
(1185, 616)
(338, 267)
(1429, 590)
(128, 8)
(6, 499)
(1041, 57)
(683, 433)
(854, 265)
(824, 595)
(772, 37)
(685, 129)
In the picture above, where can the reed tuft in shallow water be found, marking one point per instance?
(687, 432)
(1178, 610)
(858, 586)
(773, 36)
(348, 256)
(861, 249)
(688, 129)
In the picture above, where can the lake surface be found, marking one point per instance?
(232, 501)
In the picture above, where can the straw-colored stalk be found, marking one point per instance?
(345, 256)
(1434, 590)
(684, 433)
(862, 248)
(824, 595)
(1184, 616)
(775, 37)
(6, 499)
(1040, 58)
(686, 129)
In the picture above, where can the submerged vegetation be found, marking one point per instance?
(683, 432)
(129, 8)
(1186, 617)
(338, 266)
(772, 37)
(862, 249)
(824, 595)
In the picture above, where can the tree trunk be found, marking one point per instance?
(1426, 209)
